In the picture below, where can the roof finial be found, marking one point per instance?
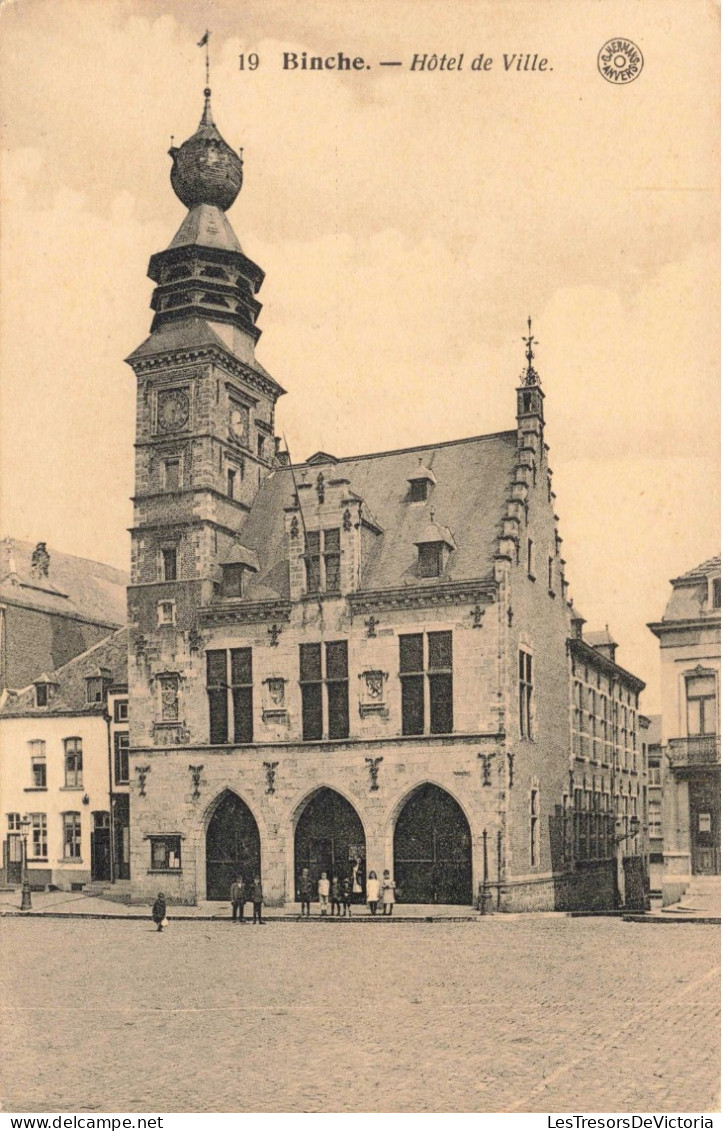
(206, 120)
(530, 376)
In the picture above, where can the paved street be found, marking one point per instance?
(510, 1013)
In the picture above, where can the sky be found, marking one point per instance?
(408, 223)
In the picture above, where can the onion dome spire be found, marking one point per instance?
(205, 169)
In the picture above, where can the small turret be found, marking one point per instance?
(530, 397)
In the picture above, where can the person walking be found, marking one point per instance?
(346, 896)
(335, 896)
(257, 898)
(305, 892)
(324, 893)
(373, 892)
(388, 890)
(238, 899)
(158, 914)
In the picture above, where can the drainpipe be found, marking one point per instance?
(107, 717)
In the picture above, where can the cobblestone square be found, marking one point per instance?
(504, 1014)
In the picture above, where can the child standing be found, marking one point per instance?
(257, 898)
(335, 896)
(305, 892)
(373, 892)
(346, 896)
(324, 893)
(158, 914)
(388, 889)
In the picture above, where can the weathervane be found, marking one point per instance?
(203, 42)
(530, 376)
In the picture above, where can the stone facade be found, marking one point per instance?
(348, 664)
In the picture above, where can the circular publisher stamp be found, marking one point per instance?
(620, 61)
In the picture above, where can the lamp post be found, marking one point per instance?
(26, 903)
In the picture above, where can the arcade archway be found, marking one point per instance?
(433, 849)
(329, 838)
(233, 846)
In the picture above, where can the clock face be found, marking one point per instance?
(173, 410)
(239, 422)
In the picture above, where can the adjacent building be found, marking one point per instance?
(689, 636)
(353, 664)
(64, 767)
(53, 606)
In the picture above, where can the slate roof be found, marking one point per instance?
(206, 226)
(196, 333)
(74, 586)
(595, 639)
(473, 478)
(70, 694)
(709, 568)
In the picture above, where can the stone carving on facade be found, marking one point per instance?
(254, 612)
(373, 764)
(346, 520)
(372, 698)
(477, 613)
(510, 769)
(486, 761)
(445, 594)
(371, 626)
(195, 772)
(294, 527)
(195, 641)
(274, 706)
(270, 768)
(274, 634)
(143, 772)
(320, 490)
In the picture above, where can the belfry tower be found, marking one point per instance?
(205, 408)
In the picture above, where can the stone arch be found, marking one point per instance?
(231, 844)
(327, 833)
(431, 846)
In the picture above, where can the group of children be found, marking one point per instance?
(338, 894)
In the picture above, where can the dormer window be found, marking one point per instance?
(323, 561)
(431, 559)
(418, 489)
(420, 482)
(44, 690)
(233, 580)
(434, 545)
(94, 689)
(237, 569)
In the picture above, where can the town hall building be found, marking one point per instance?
(352, 664)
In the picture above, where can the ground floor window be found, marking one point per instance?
(165, 853)
(71, 836)
(39, 836)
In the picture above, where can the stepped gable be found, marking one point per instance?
(70, 689)
(469, 499)
(75, 587)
